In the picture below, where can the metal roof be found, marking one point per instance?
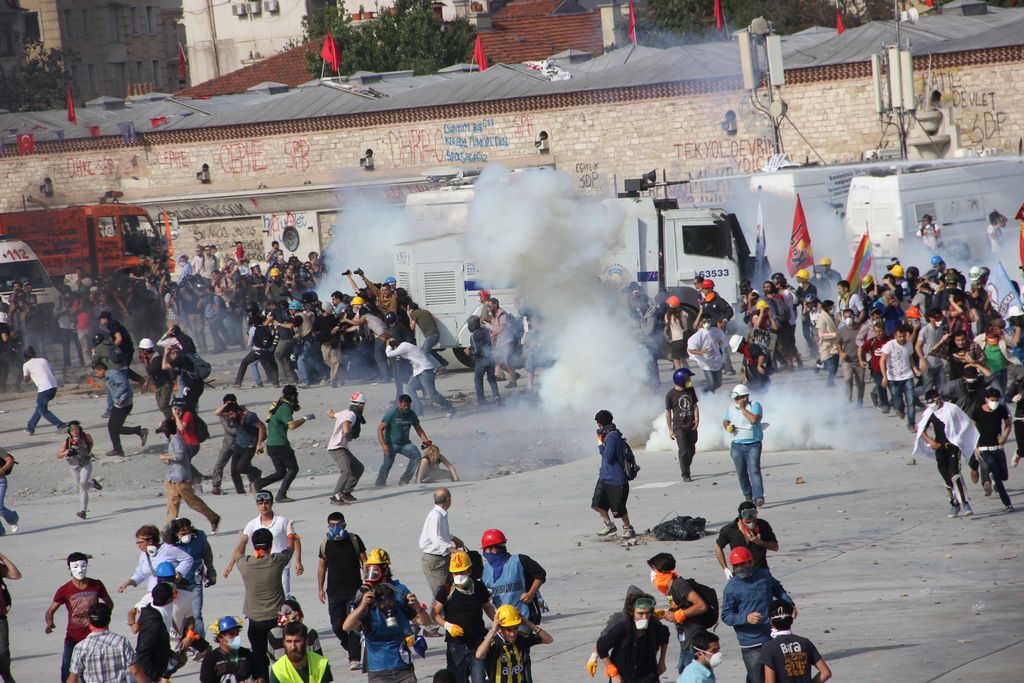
(629, 66)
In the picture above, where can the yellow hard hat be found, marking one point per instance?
(825, 262)
(802, 274)
(357, 301)
(274, 272)
(896, 271)
(761, 305)
(867, 281)
(459, 562)
(378, 556)
(508, 616)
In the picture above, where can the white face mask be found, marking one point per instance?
(848, 321)
(992, 405)
(750, 523)
(462, 580)
(151, 550)
(641, 625)
(78, 569)
(185, 538)
(713, 660)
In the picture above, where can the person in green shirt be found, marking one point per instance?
(280, 421)
(393, 434)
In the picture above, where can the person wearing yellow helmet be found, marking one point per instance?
(384, 610)
(505, 650)
(459, 607)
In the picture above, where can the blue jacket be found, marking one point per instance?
(754, 594)
(119, 386)
(613, 454)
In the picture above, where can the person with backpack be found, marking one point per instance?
(504, 335)
(191, 371)
(483, 360)
(745, 606)
(123, 341)
(612, 490)
(261, 349)
(688, 608)
(77, 453)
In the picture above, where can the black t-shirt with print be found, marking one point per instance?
(683, 405)
(790, 657)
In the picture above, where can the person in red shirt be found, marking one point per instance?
(78, 595)
(871, 357)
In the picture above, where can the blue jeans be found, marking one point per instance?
(713, 379)
(427, 347)
(409, 451)
(998, 380)
(8, 515)
(197, 607)
(43, 399)
(463, 663)
(381, 359)
(480, 368)
(685, 655)
(934, 377)
(65, 660)
(425, 381)
(902, 392)
(747, 459)
(308, 367)
(754, 664)
(831, 365)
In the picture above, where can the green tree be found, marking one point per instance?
(407, 36)
(38, 82)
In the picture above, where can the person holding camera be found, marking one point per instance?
(77, 453)
(384, 610)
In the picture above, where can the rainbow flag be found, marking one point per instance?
(861, 263)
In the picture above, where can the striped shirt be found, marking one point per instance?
(103, 657)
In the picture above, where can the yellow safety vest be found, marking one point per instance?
(285, 671)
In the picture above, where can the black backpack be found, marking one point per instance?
(202, 429)
(710, 618)
(262, 338)
(629, 465)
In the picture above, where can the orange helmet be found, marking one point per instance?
(913, 312)
(673, 302)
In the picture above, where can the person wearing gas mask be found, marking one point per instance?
(229, 661)
(151, 553)
(745, 605)
(280, 421)
(181, 533)
(384, 610)
(339, 575)
(459, 606)
(788, 657)
(77, 595)
(746, 531)
(633, 649)
(707, 654)
(290, 613)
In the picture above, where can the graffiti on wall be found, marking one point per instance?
(978, 112)
(745, 155)
(453, 142)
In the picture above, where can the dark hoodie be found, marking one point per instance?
(479, 340)
(634, 652)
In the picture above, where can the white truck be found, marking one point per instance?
(888, 205)
(18, 263)
(662, 247)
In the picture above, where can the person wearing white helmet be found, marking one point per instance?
(347, 425)
(159, 380)
(743, 420)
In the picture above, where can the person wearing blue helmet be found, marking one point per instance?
(682, 415)
(229, 661)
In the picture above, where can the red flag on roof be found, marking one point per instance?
(930, 3)
(632, 23)
(26, 143)
(182, 62)
(71, 107)
(157, 121)
(719, 17)
(329, 53)
(839, 23)
(479, 56)
(94, 131)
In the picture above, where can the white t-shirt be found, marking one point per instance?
(339, 439)
(413, 354)
(41, 373)
(174, 614)
(898, 360)
(710, 354)
(279, 526)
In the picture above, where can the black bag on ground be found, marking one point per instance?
(683, 528)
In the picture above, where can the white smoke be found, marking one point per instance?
(531, 229)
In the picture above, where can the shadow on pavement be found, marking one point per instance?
(806, 499)
(852, 651)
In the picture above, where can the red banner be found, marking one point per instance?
(800, 255)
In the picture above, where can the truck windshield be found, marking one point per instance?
(20, 271)
(140, 237)
(707, 240)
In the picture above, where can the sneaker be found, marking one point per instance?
(348, 497)
(901, 415)
(967, 511)
(609, 528)
(105, 416)
(215, 491)
(80, 515)
(355, 665)
(1008, 508)
(96, 485)
(14, 528)
(214, 525)
(975, 476)
(30, 432)
(114, 454)
(759, 503)
(687, 478)
(337, 500)
(954, 510)
(284, 499)
(144, 436)
(628, 532)
(988, 487)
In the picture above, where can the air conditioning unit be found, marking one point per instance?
(239, 10)
(272, 5)
(254, 7)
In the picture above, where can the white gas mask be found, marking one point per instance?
(78, 569)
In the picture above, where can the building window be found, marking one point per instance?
(6, 40)
(92, 77)
(31, 22)
(85, 22)
(69, 28)
(158, 77)
(151, 20)
(140, 76)
(134, 12)
(114, 25)
(119, 80)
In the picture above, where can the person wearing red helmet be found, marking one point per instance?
(745, 606)
(512, 579)
(712, 305)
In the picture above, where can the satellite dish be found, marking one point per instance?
(909, 16)
(778, 109)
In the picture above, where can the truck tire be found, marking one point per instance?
(463, 357)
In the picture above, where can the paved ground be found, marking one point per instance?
(888, 587)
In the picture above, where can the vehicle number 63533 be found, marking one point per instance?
(714, 272)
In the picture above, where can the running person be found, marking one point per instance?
(955, 434)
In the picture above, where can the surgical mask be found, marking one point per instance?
(713, 659)
(848, 321)
(78, 569)
(750, 523)
(185, 538)
(706, 325)
(236, 642)
(641, 625)
(743, 572)
(462, 580)
(992, 405)
(151, 550)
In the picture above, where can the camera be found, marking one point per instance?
(358, 271)
(73, 451)
(346, 272)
